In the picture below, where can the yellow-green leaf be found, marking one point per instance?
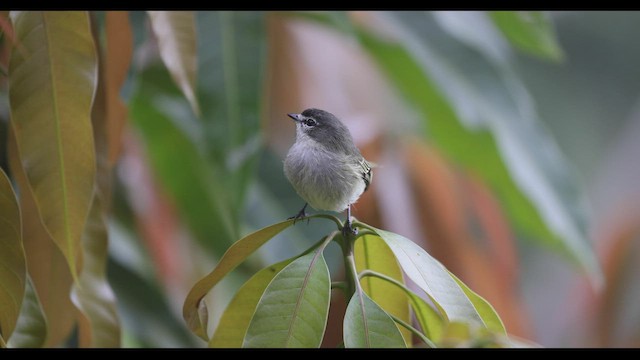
(429, 319)
(432, 277)
(530, 31)
(31, 330)
(372, 253)
(52, 81)
(488, 314)
(237, 316)
(194, 311)
(13, 269)
(176, 35)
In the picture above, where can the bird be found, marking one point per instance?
(324, 166)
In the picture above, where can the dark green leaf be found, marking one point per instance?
(196, 186)
(366, 325)
(292, 312)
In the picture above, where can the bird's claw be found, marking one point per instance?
(348, 230)
(301, 215)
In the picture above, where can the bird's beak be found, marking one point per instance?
(295, 117)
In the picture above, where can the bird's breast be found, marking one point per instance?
(325, 180)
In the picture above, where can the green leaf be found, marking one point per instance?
(231, 71)
(293, 310)
(237, 316)
(535, 186)
(99, 324)
(53, 76)
(13, 270)
(432, 277)
(485, 310)
(176, 35)
(366, 325)
(372, 253)
(194, 311)
(31, 330)
(530, 31)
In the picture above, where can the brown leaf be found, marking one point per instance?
(118, 54)
(467, 232)
(45, 263)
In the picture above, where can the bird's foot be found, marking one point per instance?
(348, 230)
(300, 215)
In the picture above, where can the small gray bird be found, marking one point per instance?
(324, 165)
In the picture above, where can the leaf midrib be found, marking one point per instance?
(299, 299)
(63, 187)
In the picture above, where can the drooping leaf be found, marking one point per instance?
(31, 329)
(366, 325)
(99, 324)
(530, 31)
(372, 253)
(13, 271)
(536, 203)
(176, 35)
(194, 311)
(237, 316)
(47, 267)
(118, 54)
(293, 310)
(53, 77)
(432, 277)
(485, 310)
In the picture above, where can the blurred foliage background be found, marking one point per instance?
(507, 146)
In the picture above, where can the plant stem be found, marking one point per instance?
(340, 285)
(326, 216)
(413, 331)
(369, 272)
(351, 274)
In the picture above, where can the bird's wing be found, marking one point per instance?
(367, 173)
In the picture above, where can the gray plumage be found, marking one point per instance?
(324, 166)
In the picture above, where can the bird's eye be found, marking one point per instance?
(310, 122)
